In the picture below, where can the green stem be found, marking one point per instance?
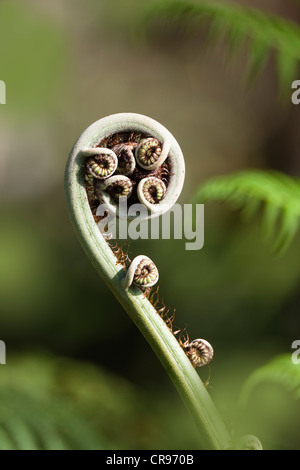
(188, 383)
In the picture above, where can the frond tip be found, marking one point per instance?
(276, 195)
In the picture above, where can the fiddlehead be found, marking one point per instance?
(151, 154)
(156, 176)
(103, 134)
(102, 163)
(199, 351)
(151, 191)
(142, 272)
(117, 186)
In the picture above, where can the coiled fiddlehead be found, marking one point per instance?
(151, 191)
(102, 163)
(142, 272)
(117, 186)
(199, 351)
(141, 155)
(150, 153)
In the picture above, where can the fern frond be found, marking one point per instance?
(6, 441)
(262, 31)
(280, 371)
(276, 195)
(27, 423)
(53, 403)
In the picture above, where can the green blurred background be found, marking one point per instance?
(69, 343)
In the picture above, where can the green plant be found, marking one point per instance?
(164, 343)
(279, 371)
(275, 195)
(238, 25)
(272, 390)
(53, 403)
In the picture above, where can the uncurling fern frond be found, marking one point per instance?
(275, 195)
(262, 31)
(279, 371)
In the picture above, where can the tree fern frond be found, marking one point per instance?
(280, 371)
(276, 194)
(6, 441)
(62, 404)
(270, 216)
(27, 423)
(21, 433)
(264, 31)
(257, 57)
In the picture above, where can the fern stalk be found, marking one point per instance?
(186, 380)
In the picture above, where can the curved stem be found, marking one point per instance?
(188, 383)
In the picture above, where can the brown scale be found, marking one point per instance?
(97, 218)
(162, 171)
(183, 337)
(113, 140)
(135, 137)
(161, 308)
(165, 170)
(94, 206)
(121, 253)
(180, 334)
(124, 153)
(120, 138)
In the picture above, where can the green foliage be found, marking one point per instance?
(28, 423)
(278, 196)
(279, 371)
(240, 25)
(58, 404)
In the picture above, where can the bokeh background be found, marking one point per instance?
(74, 359)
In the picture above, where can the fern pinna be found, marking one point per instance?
(262, 32)
(274, 194)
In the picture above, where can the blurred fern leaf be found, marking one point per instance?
(240, 25)
(28, 423)
(279, 371)
(52, 403)
(275, 195)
